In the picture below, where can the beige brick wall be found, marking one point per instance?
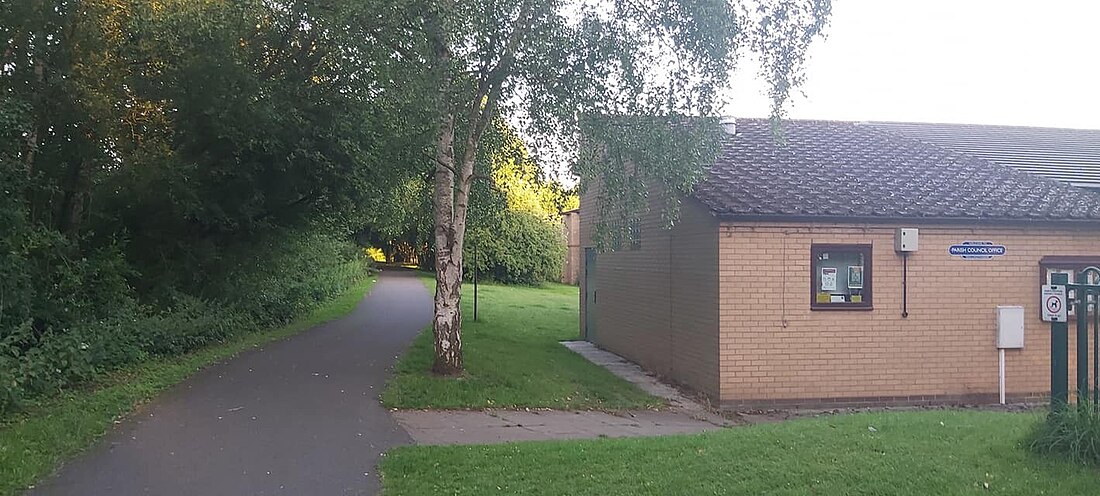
(658, 305)
(571, 228)
(775, 350)
(693, 250)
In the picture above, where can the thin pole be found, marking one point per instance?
(1082, 306)
(475, 281)
(1002, 376)
(1095, 349)
(1059, 351)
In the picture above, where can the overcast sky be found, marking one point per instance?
(970, 61)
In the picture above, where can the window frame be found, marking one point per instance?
(865, 249)
(1076, 263)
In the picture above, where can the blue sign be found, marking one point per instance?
(977, 250)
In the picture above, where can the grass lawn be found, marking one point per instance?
(513, 358)
(34, 442)
(909, 453)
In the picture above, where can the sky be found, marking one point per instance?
(1028, 63)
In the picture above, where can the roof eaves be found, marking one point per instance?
(842, 219)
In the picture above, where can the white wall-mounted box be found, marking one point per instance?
(905, 240)
(1010, 327)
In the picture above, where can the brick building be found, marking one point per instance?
(780, 285)
(571, 229)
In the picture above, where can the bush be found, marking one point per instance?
(190, 325)
(277, 280)
(32, 363)
(1073, 433)
(522, 249)
(92, 322)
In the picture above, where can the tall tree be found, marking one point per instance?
(547, 64)
(176, 132)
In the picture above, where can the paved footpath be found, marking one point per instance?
(682, 415)
(296, 417)
(443, 427)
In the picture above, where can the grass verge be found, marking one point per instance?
(929, 452)
(513, 358)
(34, 442)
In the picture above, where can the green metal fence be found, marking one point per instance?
(1082, 299)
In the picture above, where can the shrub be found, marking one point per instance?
(277, 280)
(189, 325)
(32, 363)
(92, 321)
(1073, 433)
(522, 249)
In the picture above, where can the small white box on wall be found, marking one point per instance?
(1010, 327)
(905, 240)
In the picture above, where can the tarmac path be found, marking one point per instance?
(295, 417)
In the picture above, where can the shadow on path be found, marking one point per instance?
(299, 416)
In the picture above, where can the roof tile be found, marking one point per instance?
(854, 170)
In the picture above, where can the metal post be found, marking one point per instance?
(1082, 309)
(1002, 375)
(1093, 294)
(1059, 355)
(475, 281)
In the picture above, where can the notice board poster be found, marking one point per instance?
(828, 278)
(855, 276)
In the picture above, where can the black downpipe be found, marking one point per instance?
(904, 284)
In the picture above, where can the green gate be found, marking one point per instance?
(1082, 299)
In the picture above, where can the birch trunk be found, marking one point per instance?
(32, 133)
(448, 257)
(452, 190)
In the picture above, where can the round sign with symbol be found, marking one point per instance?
(1054, 304)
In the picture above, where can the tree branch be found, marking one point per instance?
(439, 162)
(484, 105)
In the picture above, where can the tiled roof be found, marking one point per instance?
(1067, 155)
(848, 170)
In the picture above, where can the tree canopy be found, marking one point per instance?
(174, 171)
(157, 156)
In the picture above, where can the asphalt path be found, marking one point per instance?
(296, 417)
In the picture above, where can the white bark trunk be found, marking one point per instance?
(32, 133)
(447, 322)
(452, 193)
